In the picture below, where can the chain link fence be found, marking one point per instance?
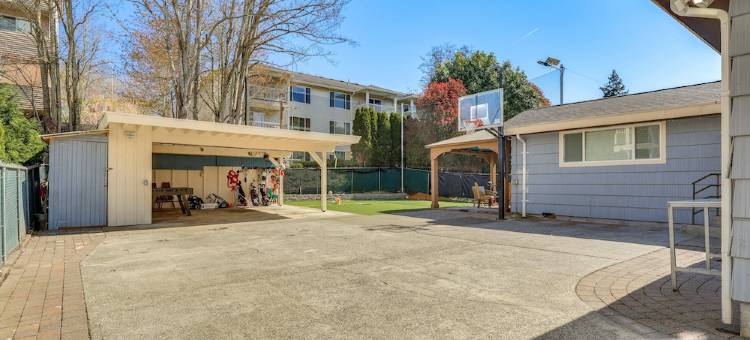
(16, 190)
(362, 180)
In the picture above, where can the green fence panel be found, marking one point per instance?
(339, 181)
(390, 180)
(416, 180)
(302, 181)
(365, 180)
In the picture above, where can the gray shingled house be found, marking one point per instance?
(618, 158)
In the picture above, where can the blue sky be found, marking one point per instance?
(648, 48)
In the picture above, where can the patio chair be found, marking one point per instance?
(481, 197)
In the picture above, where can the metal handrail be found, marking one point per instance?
(696, 192)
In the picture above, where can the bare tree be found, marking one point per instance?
(183, 36)
(81, 46)
(41, 15)
(212, 46)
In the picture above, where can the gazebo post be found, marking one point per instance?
(492, 159)
(434, 179)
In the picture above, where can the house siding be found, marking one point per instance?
(740, 133)
(623, 192)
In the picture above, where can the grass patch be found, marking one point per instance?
(375, 207)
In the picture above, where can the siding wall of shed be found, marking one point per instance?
(129, 191)
(739, 50)
(77, 182)
(624, 192)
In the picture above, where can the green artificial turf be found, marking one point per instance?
(374, 207)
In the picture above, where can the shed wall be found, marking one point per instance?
(129, 194)
(624, 192)
(77, 182)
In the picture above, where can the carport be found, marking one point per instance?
(132, 140)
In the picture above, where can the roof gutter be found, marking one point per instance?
(683, 8)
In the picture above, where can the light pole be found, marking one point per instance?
(555, 63)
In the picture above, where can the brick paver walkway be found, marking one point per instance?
(42, 297)
(638, 293)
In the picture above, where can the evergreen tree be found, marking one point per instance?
(20, 135)
(614, 86)
(395, 128)
(382, 146)
(363, 128)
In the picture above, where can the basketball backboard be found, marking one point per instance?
(480, 110)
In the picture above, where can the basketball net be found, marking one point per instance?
(471, 125)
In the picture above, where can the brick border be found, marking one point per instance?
(42, 297)
(637, 294)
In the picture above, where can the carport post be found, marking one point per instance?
(323, 182)
(321, 158)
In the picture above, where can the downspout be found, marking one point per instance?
(523, 175)
(682, 8)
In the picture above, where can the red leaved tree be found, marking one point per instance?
(441, 100)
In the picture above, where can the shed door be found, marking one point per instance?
(78, 182)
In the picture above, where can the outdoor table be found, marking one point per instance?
(181, 193)
(705, 205)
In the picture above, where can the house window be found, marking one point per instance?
(299, 94)
(340, 128)
(299, 123)
(405, 108)
(340, 100)
(619, 145)
(14, 24)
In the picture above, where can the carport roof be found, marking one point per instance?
(201, 133)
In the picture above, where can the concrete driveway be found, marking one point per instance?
(428, 274)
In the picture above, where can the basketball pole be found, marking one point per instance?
(500, 181)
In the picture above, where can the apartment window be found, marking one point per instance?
(340, 100)
(340, 155)
(300, 156)
(619, 145)
(299, 123)
(14, 24)
(340, 128)
(299, 94)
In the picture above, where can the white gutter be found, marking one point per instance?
(682, 8)
(524, 188)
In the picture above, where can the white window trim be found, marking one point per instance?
(662, 147)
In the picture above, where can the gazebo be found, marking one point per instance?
(480, 144)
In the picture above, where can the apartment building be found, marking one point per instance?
(299, 101)
(18, 56)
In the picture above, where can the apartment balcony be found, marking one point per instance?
(267, 97)
(264, 124)
(378, 108)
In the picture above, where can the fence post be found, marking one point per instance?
(352, 182)
(379, 179)
(19, 204)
